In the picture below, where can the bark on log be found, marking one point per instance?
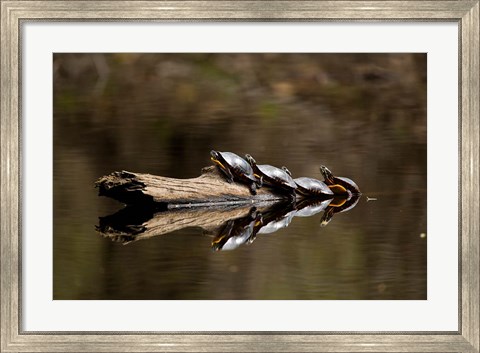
(209, 189)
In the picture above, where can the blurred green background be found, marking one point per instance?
(362, 115)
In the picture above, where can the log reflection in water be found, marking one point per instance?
(133, 223)
(230, 227)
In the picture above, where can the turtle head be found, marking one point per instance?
(217, 159)
(214, 154)
(285, 169)
(250, 159)
(327, 216)
(216, 247)
(327, 174)
(217, 242)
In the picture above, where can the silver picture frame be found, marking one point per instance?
(15, 339)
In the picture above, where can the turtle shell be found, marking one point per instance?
(348, 184)
(238, 166)
(237, 232)
(275, 176)
(312, 187)
(277, 224)
(240, 237)
(311, 208)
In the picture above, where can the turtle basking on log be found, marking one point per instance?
(236, 168)
(309, 187)
(273, 177)
(339, 185)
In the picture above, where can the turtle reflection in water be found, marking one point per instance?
(338, 205)
(236, 168)
(310, 207)
(239, 231)
(277, 218)
(276, 178)
(339, 185)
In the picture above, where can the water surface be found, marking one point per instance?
(362, 115)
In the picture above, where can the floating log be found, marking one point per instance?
(209, 189)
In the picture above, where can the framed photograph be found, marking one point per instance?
(240, 176)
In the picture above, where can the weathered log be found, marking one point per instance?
(209, 189)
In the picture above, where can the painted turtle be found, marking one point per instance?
(237, 232)
(272, 176)
(235, 168)
(339, 185)
(338, 206)
(312, 187)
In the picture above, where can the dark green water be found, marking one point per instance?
(362, 115)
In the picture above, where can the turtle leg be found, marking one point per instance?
(260, 182)
(253, 188)
(289, 192)
(228, 174)
(258, 224)
(252, 213)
